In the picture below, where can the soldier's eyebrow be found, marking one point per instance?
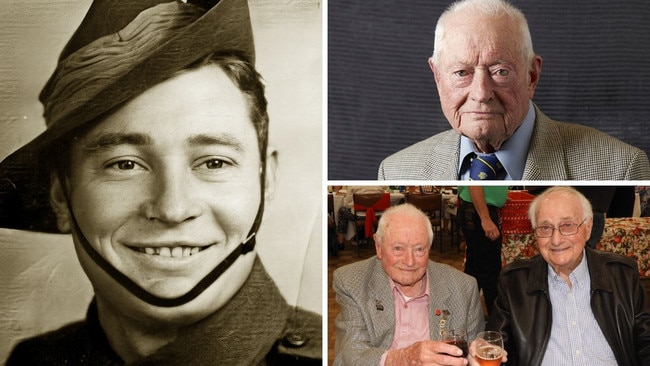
(225, 139)
(110, 140)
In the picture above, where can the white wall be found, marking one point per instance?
(41, 282)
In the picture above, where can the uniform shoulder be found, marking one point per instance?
(62, 346)
(304, 350)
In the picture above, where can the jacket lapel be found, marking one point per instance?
(602, 304)
(439, 296)
(381, 305)
(545, 160)
(440, 164)
(538, 277)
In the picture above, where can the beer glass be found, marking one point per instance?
(489, 348)
(457, 337)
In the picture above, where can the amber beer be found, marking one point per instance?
(489, 355)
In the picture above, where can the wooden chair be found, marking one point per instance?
(431, 204)
(367, 210)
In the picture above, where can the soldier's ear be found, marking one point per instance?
(59, 202)
(271, 174)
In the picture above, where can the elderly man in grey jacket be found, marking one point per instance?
(379, 294)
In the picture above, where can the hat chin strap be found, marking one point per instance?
(245, 247)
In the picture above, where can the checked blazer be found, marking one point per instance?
(366, 322)
(557, 151)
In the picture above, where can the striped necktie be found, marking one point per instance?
(484, 167)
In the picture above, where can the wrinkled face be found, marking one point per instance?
(562, 252)
(164, 189)
(483, 80)
(404, 251)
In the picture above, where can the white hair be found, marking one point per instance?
(587, 211)
(405, 209)
(488, 8)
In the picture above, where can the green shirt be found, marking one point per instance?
(494, 195)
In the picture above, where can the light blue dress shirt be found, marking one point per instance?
(576, 339)
(513, 152)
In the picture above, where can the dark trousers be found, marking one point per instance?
(483, 256)
(345, 216)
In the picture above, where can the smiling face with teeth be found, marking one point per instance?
(164, 188)
(563, 252)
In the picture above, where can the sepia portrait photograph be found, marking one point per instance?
(156, 205)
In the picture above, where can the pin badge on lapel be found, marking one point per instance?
(443, 320)
(379, 305)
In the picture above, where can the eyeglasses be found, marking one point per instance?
(569, 228)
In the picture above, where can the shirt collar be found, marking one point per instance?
(513, 152)
(579, 277)
(395, 290)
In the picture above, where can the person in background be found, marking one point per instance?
(644, 196)
(478, 215)
(395, 304)
(156, 160)
(486, 72)
(571, 304)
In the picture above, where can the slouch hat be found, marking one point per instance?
(121, 49)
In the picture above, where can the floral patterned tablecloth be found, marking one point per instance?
(629, 236)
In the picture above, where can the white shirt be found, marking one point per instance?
(576, 339)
